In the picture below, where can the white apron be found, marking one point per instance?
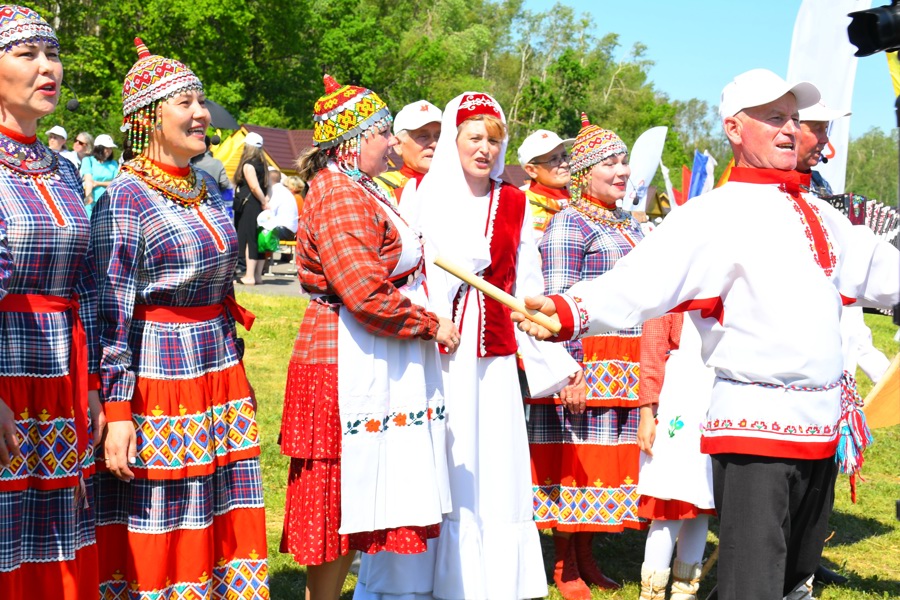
(678, 470)
(393, 448)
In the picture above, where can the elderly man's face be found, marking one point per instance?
(765, 137)
(416, 147)
(812, 140)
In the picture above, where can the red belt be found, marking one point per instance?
(78, 367)
(194, 314)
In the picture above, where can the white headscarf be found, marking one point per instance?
(441, 206)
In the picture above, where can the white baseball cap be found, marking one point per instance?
(539, 143)
(254, 139)
(105, 141)
(821, 112)
(415, 115)
(57, 130)
(761, 86)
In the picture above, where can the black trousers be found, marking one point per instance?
(773, 518)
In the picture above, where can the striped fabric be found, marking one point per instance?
(196, 500)
(45, 533)
(151, 251)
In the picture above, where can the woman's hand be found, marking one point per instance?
(646, 434)
(120, 449)
(98, 417)
(447, 335)
(541, 303)
(9, 439)
(574, 395)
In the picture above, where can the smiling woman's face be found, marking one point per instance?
(30, 76)
(608, 178)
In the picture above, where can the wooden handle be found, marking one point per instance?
(492, 291)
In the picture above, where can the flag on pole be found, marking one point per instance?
(670, 192)
(685, 185)
(726, 174)
(821, 53)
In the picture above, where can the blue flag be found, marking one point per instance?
(698, 174)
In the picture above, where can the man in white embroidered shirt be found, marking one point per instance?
(766, 296)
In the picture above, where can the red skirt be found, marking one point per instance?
(655, 509)
(311, 425)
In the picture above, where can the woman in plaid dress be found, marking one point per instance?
(585, 458)
(47, 547)
(364, 408)
(180, 506)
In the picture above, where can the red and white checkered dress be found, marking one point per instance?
(346, 249)
(45, 536)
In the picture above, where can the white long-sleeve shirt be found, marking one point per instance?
(766, 291)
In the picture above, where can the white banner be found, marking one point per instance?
(822, 54)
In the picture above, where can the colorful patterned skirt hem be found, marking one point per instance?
(656, 509)
(584, 468)
(197, 537)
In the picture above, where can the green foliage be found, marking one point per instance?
(872, 166)
(263, 60)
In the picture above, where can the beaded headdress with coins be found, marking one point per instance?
(20, 24)
(152, 78)
(344, 115)
(593, 145)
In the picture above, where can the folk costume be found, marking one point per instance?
(777, 398)
(408, 119)
(489, 546)
(585, 466)
(676, 491)
(191, 523)
(544, 202)
(47, 350)
(364, 414)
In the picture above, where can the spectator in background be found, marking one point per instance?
(98, 170)
(212, 165)
(251, 197)
(81, 147)
(298, 188)
(544, 157)
(283, 207)
(56, 138)
(417, 128)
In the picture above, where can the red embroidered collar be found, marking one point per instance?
(549, 192)
(15, 135)
(412, 174)
(598, 202)
(789, 181)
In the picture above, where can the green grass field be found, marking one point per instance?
(865, 545)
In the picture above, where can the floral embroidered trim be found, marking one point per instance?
(30, 160)
(583, 317)
(494, 198)
(617, 218)
(813, 429)
(674, 425)
(396, 419)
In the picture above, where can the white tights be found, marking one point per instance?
(691, 537)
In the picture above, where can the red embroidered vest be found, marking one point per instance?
(504, 229)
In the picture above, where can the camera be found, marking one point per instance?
(876, 29)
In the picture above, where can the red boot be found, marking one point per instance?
(565, 572)
(589, 570)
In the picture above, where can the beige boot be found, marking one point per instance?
(685, 581)
(653, 583)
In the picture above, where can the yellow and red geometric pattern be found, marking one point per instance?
(345, 112)
(153, 78)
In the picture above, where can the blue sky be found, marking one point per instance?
(699, 45)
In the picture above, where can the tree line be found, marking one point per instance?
(264, 59)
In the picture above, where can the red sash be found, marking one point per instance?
(194, 314)
(78, 367)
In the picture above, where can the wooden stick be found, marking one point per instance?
(708, 565)
(492, 291)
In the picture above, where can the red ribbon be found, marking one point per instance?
(194, 314)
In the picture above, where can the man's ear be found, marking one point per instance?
(733, 129)
(531, 170)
